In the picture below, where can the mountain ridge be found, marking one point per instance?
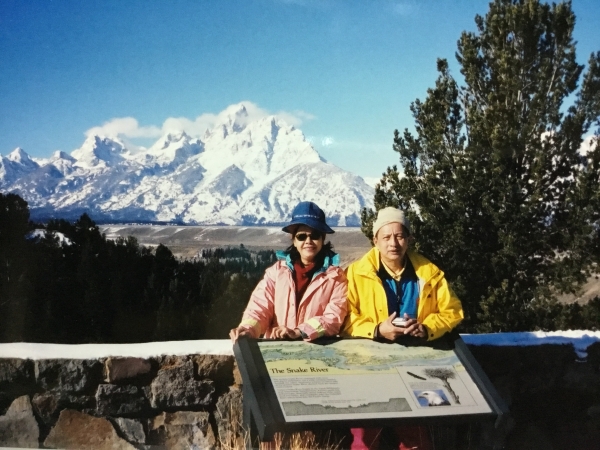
(241, 172)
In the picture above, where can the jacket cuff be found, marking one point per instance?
(312, 329)
(303, 335)
(376, 332)
(431, 334)
(251, 325)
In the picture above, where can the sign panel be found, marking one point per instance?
(364, 379)
(295, 385)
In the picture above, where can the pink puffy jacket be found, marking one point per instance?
(321, 311)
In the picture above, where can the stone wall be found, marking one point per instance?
(119, 403)
(194, 401)
(553, 395)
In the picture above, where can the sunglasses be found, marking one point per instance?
(314, 236)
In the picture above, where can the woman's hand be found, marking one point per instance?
(235, 333)
(282, 332)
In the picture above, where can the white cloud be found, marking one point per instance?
(124, 126)
(252, 109)
(197, 126)
(295, 118)
(129, 128)
(193, 127)
(327, 141)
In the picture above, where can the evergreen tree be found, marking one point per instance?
(500, 194)
(88, 288)
(14, 273)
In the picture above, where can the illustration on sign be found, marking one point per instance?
(360, 379)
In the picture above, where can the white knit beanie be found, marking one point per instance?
(390, 215)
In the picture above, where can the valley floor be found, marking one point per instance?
(349, 242)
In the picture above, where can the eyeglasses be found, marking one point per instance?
(315, 236)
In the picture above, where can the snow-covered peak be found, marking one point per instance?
(230, 121)
(263, 149)
(62, 161)
(372, 181)
(17, 154)
(41, 161)
(58, 154)
(22, 158)
(252, 168)
(235, 118)
(174, 137)
(15, 165)
(172, 147)
(99, 151)
(286, 145)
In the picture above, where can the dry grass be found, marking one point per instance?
(238, 437)
(303, 440)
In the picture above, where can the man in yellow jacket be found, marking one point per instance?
(392, 293)
(390, 283)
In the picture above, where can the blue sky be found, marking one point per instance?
(343, 71)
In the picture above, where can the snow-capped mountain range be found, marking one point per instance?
(239, 172)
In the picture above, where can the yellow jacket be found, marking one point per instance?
(438, 307)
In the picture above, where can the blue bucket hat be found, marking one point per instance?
(309, 214)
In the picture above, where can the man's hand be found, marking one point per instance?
(392, 332)
(235, 333)
(388, 330)
(414, 328)
(282, 332)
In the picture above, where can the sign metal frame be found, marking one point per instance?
(263, 416)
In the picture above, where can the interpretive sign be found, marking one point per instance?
(359, 381)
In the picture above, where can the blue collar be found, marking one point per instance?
(331, 259)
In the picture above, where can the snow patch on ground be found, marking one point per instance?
(95, 351)
(580, 339)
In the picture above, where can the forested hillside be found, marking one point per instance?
(70, 284)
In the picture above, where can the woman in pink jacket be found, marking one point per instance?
(303, 295)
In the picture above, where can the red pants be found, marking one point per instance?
(409, 437)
